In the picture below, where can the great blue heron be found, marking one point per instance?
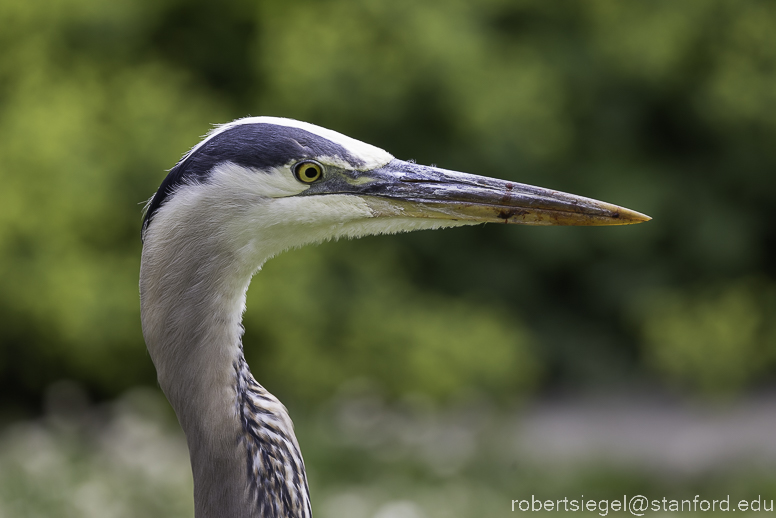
(250, 190)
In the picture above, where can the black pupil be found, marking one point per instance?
(310, 172)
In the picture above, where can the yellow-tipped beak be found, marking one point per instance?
(404, 189)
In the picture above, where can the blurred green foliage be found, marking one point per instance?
(665, 107)
(715, 341)
(342, 312)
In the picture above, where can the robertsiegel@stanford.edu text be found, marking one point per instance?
(638, 505)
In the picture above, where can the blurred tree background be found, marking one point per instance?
(665, 107)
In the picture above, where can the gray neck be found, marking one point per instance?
(244, 455)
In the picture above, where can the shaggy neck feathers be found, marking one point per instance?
(195, 271)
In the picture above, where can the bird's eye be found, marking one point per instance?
(308, 172)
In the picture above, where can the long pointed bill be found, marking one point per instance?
(406, 189)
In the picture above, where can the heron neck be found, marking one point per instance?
(244, 454)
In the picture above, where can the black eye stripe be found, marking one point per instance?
(257, 145)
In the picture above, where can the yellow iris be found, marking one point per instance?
(308, 172)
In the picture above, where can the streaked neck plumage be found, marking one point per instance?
(195, 271)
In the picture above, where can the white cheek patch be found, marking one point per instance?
(276, 183)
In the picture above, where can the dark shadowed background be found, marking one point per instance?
(431, 374)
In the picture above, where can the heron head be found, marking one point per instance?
(290, 183)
